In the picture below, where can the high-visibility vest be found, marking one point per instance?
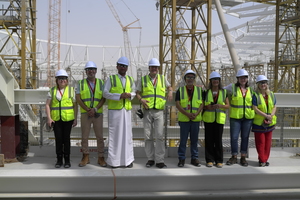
(190, 106)
(155, 95)
(63, 109)
(89, 99)
(262, 106)
(241, 107)
(218, 115)
(117, 87)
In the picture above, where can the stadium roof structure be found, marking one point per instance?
(254, 40)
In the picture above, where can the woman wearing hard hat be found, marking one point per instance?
(214, 117)
(241, 116)
(61, 110)
(265, 119)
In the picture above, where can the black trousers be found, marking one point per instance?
(213, 142)
(62, 132)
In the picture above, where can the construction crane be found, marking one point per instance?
(127, 44)
(53, 48)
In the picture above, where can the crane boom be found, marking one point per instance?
(127, 45)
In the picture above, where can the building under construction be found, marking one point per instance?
(268, 44)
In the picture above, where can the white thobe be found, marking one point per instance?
(120, 147)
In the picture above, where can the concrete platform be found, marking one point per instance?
(36, 178)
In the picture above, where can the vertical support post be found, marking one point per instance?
(10, 136)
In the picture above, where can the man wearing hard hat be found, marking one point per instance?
(119, 90)
(152, 91)
(89, 95)
(61, 110)
(189, 104)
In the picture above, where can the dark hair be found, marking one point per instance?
(238, 84)
(219, 86)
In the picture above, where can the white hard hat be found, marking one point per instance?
(154, 62)
(123, 61)
(61, 72)
(214, 74)
(189, 71)
(90, 64)
(261, 78)
(242, 72)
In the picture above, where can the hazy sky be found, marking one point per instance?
(92, 22)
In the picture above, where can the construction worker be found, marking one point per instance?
(241, 116)
(189, 104)
(119, 89)
(264, 102)
(152, 90)
(214, 117)
(61, 110)
(89, 95)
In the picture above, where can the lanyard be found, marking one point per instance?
(191, 93)
(154, 81)
(93, 91)
(243, 93)
(216, 97)
(61, 94)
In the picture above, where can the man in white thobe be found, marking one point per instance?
(119, 90)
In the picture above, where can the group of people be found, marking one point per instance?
(249, 109)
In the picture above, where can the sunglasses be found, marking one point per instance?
(62, 78)
(91, 69)
(123, 66)
(263, 82)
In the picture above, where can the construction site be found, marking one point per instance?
(267, 45)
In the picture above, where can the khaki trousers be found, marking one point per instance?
(86, 124)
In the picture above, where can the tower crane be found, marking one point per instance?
(53, 48)
(127, 44)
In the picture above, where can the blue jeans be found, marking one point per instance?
(236, 126)
(187, 128)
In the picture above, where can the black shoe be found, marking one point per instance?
(59, 161)
(161, 165)
(232, 160)
(67, 161)
(150, 163)
(267, 164)
(243, 161)
(261, 164)
(58, 164)
(130, 166)
(195, 162)
(181, 163)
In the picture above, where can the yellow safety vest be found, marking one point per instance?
(63, 109)
(241, 107)
(218, 115)
(89, 99)
(262, 106)
(117, 87)
(192, 105)
(155, 95)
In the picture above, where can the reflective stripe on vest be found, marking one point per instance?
(241, 107)
(155, 95)
(63, 109)
(218, 115)
(117, 87)
(194, 104)
(86, 94)
(262, 106)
